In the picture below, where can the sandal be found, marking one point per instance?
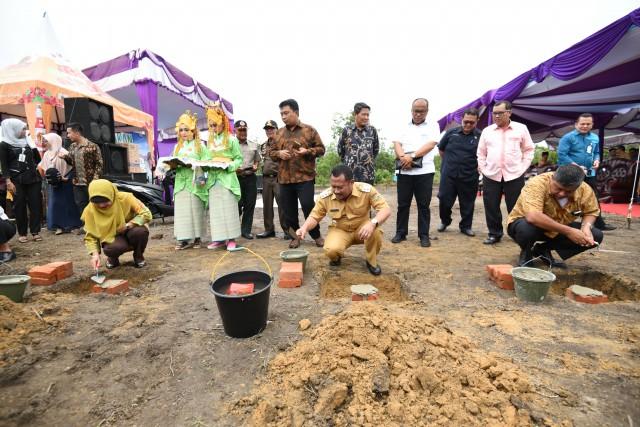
(37, 238)
(23, 239)
(215, 245)
(58, 232)
(231, 245)
(197, 244)
(294, 244)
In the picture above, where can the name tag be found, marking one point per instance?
(334, 210)
(589, 149)
(22, 158)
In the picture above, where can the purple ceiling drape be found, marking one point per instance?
(148, 93)
(567, 65)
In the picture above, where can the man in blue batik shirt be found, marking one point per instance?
(582, 147)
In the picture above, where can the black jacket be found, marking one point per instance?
(19, 172)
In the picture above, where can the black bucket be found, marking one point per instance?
(243, 316)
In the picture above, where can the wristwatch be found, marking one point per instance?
(374, 221)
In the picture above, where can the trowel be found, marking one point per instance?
(98, 277)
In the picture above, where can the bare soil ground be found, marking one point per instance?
(442, 345)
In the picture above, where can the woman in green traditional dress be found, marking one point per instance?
(190, 191)
(223, 149)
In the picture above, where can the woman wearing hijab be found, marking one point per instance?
(62, 211)
(222, 182)
(189, 192)
(18, 162)
(115, 223)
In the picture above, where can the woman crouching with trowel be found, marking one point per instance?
(115, 223)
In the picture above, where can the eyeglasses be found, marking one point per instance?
(419, 111)
(184, 130)
(468, 122)
(500, 113)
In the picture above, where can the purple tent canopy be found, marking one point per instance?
(599, 75)
(146, 81)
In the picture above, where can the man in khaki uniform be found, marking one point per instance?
(348, 204)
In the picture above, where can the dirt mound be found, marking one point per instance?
(19, 321)
(372, 365)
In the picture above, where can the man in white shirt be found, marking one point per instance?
(414, 151)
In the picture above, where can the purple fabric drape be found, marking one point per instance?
(567, 65)
(148, 94)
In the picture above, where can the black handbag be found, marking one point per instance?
(415, 163)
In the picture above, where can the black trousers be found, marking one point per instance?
(81, 197)
(271, 191)
(526, 234)
(134, 240)
(28, 195)
(591, 182)
(465, 191)
(247, 202)
(420, 187)
(289, 195)
(7, 231)
(491, 197)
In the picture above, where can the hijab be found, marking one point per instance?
(105, 223)
(11, 129)
(50, 157)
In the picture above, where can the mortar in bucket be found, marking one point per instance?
(13, 286)
(295, 255)
(245, 315)
(532, 284)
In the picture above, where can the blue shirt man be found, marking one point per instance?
(582, 147)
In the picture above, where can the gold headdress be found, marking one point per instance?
(190, 120)
(216, 116)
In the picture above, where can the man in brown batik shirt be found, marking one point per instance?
(296, 147)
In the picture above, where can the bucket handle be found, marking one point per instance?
(215, 267)
(543, 258)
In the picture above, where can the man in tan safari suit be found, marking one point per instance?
(348, 204)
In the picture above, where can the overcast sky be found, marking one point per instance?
(325, 54)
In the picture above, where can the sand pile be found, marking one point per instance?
(375, 366)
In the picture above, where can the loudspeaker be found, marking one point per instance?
(116, 161)
(95, 117)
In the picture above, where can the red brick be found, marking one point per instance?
(240, 289)
(112, 286)
(42, 271)
(503, 278)
(63, 269)
(289, 283)
(590, 299)
(39, 281)
(358, 297)
(491, 269)
(291, 271)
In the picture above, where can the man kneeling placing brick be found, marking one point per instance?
(544, 217)
(348, 203)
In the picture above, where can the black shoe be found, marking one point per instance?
(425, 242)
(398, 238)
(265, 235)
(525, 258)
(547, 258)
(491, 240)
(112, 263)
(467, 231)
(376, 271)
(335, 262)
(442, 227)
(247, 236)
(7, 256)
(139, 264)
(607, 227)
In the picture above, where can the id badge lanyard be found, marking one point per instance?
(591, 150)
(22, 158)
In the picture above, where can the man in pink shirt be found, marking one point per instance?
(505, 152)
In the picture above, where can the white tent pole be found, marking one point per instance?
(633, 192)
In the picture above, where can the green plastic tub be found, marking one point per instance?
(295, 255)
(532, 284)
(13, 286)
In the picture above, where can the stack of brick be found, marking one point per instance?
(111, 286)
(46, 275)
(290, 275)
(501, 275)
